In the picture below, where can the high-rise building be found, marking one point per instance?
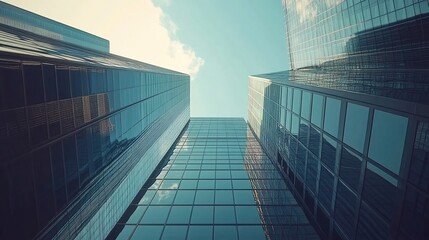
(349, 124)
(81, 129)
(216, 182)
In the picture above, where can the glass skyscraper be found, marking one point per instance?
(216, 182)
(349, 124)
(81, 129)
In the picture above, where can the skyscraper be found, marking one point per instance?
(349, 123)
(216, 182)
(81, 129)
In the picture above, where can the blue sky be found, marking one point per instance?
(218, 42)
(236, 39)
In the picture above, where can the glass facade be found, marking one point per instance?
(27, 21)
(348, 124)
(80, 132)
(216, 182)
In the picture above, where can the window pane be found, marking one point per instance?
(295, 125)
(284, 94)
(225, 232)
(387, 139)
(350, 167)
(306, 105)
(33, 84)
(355, 126)
(289, 98)
(224, 215)
(202, 215)
(329, 148)
(247, 215)
(345, 208)
(155, 215)
(142, 232)
(174, 232)
(296, 101)
(316, 111)
(326, 186)
(332, 116)
(200, 232)
(179, 215)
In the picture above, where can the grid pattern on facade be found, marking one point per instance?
(322, 32)
(63, 120)
(216, 183)
(345, 158)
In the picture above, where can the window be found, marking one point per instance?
(355, 126)
(388, 139)
(306, 105)
(332, 116)
(316, 111)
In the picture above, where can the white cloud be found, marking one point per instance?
(306, 9)
(135, 28)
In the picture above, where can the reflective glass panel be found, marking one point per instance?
(388, 139)
(332, 116)
(355, 126)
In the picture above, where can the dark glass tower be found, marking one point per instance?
(349, 123)
(81, 130)
(216, 182)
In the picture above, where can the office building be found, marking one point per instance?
(81, 129)
(216, 182)
(349, 124)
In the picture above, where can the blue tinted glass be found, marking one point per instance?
(326, 187)
(136, 215)
(288, 120)
(251, 232)
(332, 116)
(329, 148)
(204, 197)
(184, 197)
(200, 232)
(289, 98)
(179, 215)
(174, 232)
(125, 232)
(244, 197)
(223, 184)
(379, 193)
(147, 197)
(345, 208)
(188, 184)
(241, 184)
(223, 197)
(350, 168)
(164, 197)
(388, 139)
(295, 125)
(306, 105)
(202, 215)
(247, 215)
(282, 116)
(142, 232)
(224, 215)
(206, 184)
(155, 215)
(297, 101)
(316, 111)
(225, 232)
(314, 142)
(355, 126)
(284, 95)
